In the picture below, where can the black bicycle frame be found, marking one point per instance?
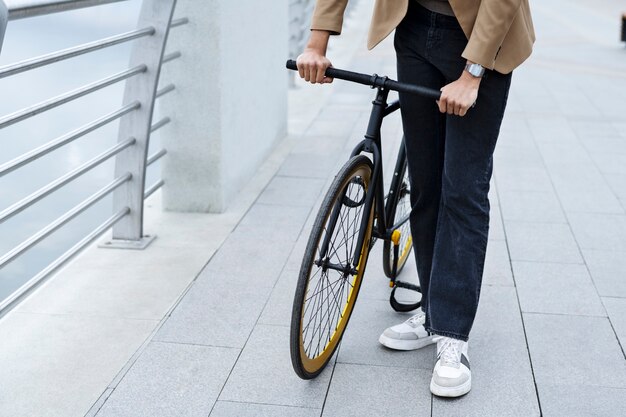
(371, 144)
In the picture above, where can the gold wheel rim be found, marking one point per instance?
(312, 365)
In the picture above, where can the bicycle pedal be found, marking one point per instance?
(407, 286)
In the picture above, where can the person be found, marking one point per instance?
(467, 49)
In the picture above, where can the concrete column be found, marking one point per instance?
(229, 109)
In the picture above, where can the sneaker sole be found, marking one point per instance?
(406, 344)
(451, 392)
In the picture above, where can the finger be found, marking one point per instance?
(450, 108)
(463, 112)
(457, 109)
(320, 75)
(442, 105)
(307, 73)
(313, 74)
(301, 70)
(328, 80)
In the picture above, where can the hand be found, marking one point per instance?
(458, 96)
(312, 63)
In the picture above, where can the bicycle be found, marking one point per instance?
(354, 213)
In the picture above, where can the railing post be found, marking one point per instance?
(4, 19)
(128, 233)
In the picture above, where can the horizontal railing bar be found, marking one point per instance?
(24, 290)
(153, 189)
(55, 185)
(43, 150)
(62, 221)
(167, 89)
(20, 9)
(171, 56)
(160, 124)
(179, 22)
(68, 53)
(155, 157)
(67, 97)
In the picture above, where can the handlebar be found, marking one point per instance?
(375, 81)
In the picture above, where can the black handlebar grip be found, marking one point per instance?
(370, 79)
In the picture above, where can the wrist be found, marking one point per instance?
(318, 41)
(470, 79)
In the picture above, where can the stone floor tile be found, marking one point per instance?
(360, 390)
(330, 128)
(599, 231)
(277, 311)
(236, 409)
(528, 177)
(215, 313)
(290, 191)
(496, 226)
(608, 270)
(171, 380)
(322, 146)
(360, 342)
(531, 206)
(47, 357)
(542, 242)
(581, 401)
(497, 269)
(302, 165)
(264, 374)
(616, 308)
(252, 255)
(618, 186)
(265, 216)
(556, 288)
(574, 351)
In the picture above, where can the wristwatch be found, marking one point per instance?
(475, 70)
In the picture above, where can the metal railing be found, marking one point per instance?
(128, 187)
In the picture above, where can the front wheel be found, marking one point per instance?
(332, 269)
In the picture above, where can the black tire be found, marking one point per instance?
(397, 207)
(346, 194)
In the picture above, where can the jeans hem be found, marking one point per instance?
(447, 334)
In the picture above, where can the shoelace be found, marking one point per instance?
(451, 352)
(416, 320)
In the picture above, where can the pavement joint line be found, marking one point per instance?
(617, 297)
(385, 366)
(169, 342)
(278, 405)
(330, 380)
(84, 315)
(533, 222)
(519, 304)
(547, 262)
(541, 313)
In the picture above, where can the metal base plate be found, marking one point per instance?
(140, 244)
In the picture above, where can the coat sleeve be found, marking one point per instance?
(328, 15)
(493, 22)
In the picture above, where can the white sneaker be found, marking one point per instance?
(452, 376)
(409, 335)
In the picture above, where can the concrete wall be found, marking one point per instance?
(230, 105)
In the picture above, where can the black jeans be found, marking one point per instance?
(450, 165)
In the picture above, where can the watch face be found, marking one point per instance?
(476, 70)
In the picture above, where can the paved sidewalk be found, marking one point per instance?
(551, 327)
